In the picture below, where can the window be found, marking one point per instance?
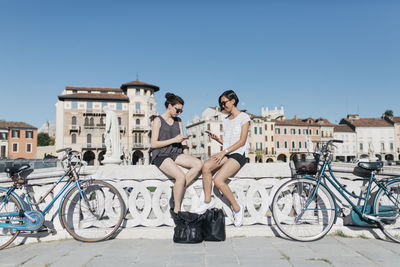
(260, 130)
(86, 121)
(382, 146)
(29, 148)
(316, 132)
(101, 121)
(266, 150)
(119, 106)
(305, 144)
(209, 151)
(272, 138)
(304, 131)
(137, 122)
(293, 144)
(74, 105)
(272, 150)
(292, 131)
(29, 134)
(151, 106)
(73, 120)
(103, 139)
(261, 146)
(208, 127)
(266, 127)
(91, 121)
(361, 147)
(272, 127)
(299, 144)
(89, 105)
(277, 144)
(256, 146)
(137, 106)
(284, 131)
(103, 104)
(266, 138)
(119, 120)
(391, 147)
(73, 139)
(299, 131)
(89, 138)
(3, 136)
(277, 130)
(137, 91)
(15, 147)
(221, 127)
(285, 144)
(255, 130)
(15, 133)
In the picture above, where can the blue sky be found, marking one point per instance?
(316, 58)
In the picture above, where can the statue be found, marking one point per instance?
(112, 138)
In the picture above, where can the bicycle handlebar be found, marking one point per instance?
(67, 149)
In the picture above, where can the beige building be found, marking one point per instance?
(395, 121)
(80, 121)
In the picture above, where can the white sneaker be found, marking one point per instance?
(238, 216)
(204, 207)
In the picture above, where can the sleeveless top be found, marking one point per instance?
(168, 132)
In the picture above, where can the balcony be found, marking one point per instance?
(74, 128)
(140, 146)
(138, 112)
(93, 146)
(140, 129)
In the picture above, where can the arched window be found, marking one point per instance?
(101, 121)
(73, 122)
(137, 122)
(73, 139)
(86, 121)
(89, 138)
(91, 121)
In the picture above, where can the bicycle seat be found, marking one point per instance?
(371, 166)
(16, 168)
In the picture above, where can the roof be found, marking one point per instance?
(367, 122)
(305, 122)
(137, 83)
(101, 96)
(101, 89)
(15, 124)
(343, 128)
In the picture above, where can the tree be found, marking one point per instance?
(43, 139)
(388, 113)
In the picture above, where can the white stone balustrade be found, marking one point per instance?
(146, 191)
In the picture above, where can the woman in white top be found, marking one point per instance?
(230, 159)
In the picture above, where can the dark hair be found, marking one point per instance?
(230, 95)
(173, 100)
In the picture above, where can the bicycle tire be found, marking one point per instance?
(7, 236)
(106, 216)
(389, 212)
(291, 218)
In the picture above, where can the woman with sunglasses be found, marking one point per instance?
(230, 159)
(169, 149)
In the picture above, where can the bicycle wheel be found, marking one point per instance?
(8, 204)
(297, 221)
(387, 207)
(93, 214)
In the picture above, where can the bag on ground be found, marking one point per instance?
(214, 225)
(188, 227)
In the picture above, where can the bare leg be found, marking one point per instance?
(227, 170)
(193, 164)
(209, 166)
(170, 168)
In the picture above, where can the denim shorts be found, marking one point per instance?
(241, 159)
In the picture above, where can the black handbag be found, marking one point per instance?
(188, 227)
(214, 225)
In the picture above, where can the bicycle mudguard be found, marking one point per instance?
(388, 211)
(330, 192)
(22, 203)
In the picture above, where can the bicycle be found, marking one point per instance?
(305, 208)
(90, 210)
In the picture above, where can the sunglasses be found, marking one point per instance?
(178, 110)
(223, 103)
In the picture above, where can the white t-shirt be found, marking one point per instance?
(232, 130)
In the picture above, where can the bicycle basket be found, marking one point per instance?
(305, 163)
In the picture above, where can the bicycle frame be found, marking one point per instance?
(343, 191)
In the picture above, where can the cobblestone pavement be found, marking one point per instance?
(245, 251)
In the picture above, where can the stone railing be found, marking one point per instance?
(147, 192)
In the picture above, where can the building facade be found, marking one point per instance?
(80, 122)
(346, 151)
(374, 137)
(395, 121)
(18, 140)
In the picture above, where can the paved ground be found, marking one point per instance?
(246, 251)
